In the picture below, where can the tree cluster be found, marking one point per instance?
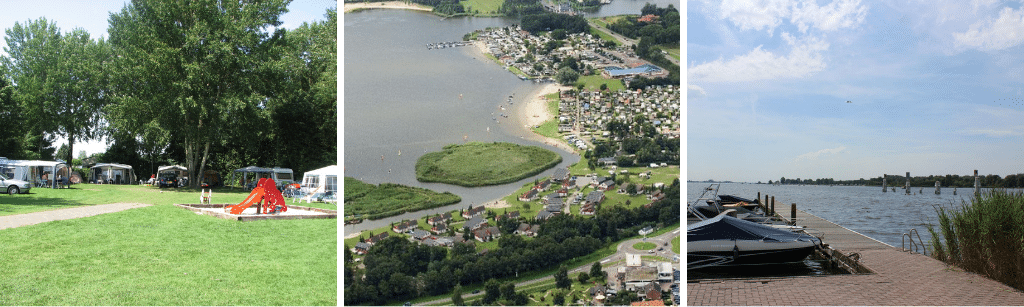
(398, 270)
(521, 7)
(535, 23)
(200, 83)
(664, 30)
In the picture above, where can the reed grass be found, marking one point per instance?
(985, 236)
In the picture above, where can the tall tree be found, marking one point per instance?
(60, 80)
(192, 67)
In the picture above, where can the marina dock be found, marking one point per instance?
(896, 278)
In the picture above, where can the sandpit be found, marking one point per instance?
(294, 212)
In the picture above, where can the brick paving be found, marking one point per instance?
(25, 219)
(900, 278)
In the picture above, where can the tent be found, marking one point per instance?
(321, 183)
(39, 173)
(113, 173)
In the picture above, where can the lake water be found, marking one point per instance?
(881, 216)
(401, 97)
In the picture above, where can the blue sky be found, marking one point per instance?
(92, 16)
(934, 88)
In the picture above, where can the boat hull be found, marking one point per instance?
(748, 252)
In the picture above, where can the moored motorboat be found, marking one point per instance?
(726, 240)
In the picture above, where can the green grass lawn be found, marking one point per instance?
(593, 83)
(486, 7)
(550, 128)
(675, 245)
(164, 255)
(644, 245)
(672, 49)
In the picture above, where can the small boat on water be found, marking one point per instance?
(726, 240)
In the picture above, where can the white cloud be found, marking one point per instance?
(836, 15)
(805, 58)
(994, 34)
(816, 154)
(693, 92)
(755, 14)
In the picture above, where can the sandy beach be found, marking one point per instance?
(536, 112)
(386, 5)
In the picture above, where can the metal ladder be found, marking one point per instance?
(914, 246)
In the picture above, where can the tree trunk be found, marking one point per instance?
(202, 165)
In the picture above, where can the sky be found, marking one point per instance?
(849, 89)
(92, 16)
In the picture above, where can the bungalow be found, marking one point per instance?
(512, 215)
(420, 234)
(487, 234)
(445, 241)
(553, 208)
(569, 184)
(362, 248)
(439, 228)
(623, 188)
(543, 185)
(595, 197)
(561, 174)
(544, 215)
(597, 181)
(563, 192)
(646, 231)
(442, 219)
(607, 161)
(547, 198)
(472, 212)
(530, 195)
(606, 185)
(404, 226)
(588, 209)
(527, 230)
(377, 238)
(656, 196)
(475, 223)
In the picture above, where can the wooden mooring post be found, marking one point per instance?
(908, 183)
(792, 213)
(773, 205)
(883, 182)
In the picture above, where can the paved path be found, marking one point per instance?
(900, 278)
(18, 220)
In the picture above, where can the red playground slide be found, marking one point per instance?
(265, 194)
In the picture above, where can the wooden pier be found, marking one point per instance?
(897, 278)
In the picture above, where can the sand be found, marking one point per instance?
(386, 5)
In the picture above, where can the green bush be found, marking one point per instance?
(984, 237)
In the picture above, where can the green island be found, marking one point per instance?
(478, 164)
(389, 199)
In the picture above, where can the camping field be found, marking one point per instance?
(161, 254)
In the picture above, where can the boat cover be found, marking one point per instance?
(724, 227)
(734, 199)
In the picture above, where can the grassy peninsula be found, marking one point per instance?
(478, 164)
(389, 199)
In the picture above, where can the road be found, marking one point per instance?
(625, 40)
(663, 240)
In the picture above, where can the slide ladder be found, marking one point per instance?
(265, 195)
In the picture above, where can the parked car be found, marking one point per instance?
(13, 186)
(168, 180)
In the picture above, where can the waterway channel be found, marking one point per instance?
(402, 100)
(881, 216)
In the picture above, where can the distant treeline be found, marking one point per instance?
(521, 7)
(988, 181)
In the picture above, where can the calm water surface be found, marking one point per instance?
(401, 97)
(867, 210)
